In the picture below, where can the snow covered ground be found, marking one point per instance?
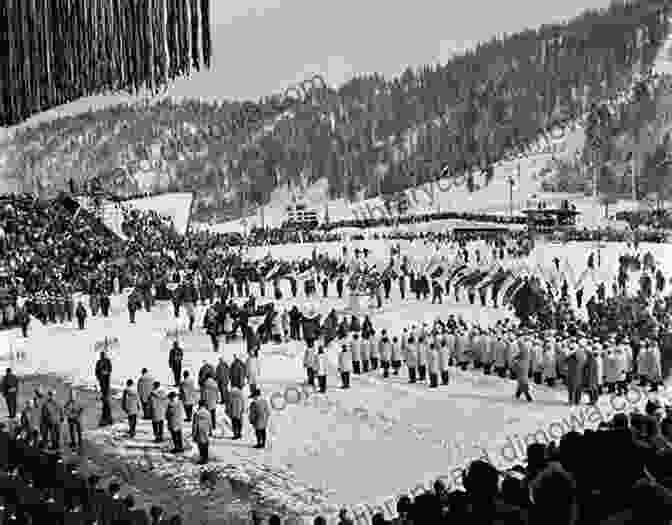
(357, 446)
(176, 205)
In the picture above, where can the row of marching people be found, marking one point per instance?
(582, 364)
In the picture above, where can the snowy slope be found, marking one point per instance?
(177, 206)
(436, 197)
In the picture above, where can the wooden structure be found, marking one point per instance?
(301, 218)
(547, 220)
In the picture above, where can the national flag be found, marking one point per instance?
(504, 287)
(489, 277)
(457, 271)
(273, 271)
(465, 277)
(513, 290)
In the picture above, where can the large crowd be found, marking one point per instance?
(623, 340)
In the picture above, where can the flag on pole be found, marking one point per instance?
(508, 282)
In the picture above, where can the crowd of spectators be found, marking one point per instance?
(573, 483)
(39, 487)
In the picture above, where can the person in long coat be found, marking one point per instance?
(500, 351)
(53, 417)
(74, 410)
(590, 377)
(574, 377)
(521, 366)
(30, 423)
(412, 359)
(10, 391)
(308, 364)
(157, 401)
(385, 351)
(345, 366)
(599, 360)
(444, 362)
(549, 365)
(611, 376)
(253, 370)
(145, 385)
(259, 417)
(174, 418)
(130, 404)
(206, 370)
(622, 362)
(364, 353)
(201, 430)
(222, 377)
(488, 352)
(210, 394)
(421, 349)
(235, 409)
(188, 395)
(433, 366)
(237, 372)
(322, 369)
(396, 355)
(654, 373)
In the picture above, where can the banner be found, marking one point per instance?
(508, 282)
(513, 290)
(273, 271)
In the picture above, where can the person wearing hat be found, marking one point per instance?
(175, 357)
(80, 314)
(356, 346)
(422, 348)
(253, 369)
(201, 431)
(259, 417)
(237, 372)
(210, 394)
(30, 423)
(73, 412)
(590, 379)
(521, 366)
(145, 385)
(157, 403)
(235, 408)
(500, 353)
(53, 417)
(310, 363)
(433, 366)
(611, 376)
(396, 353)
(321, 370)
(10, 390)
(345, 365)
(385, 352)
(130, 404)
(174, 418)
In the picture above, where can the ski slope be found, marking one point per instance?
(526, 173)
(176, 206)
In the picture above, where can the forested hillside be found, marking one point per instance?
(372, 134)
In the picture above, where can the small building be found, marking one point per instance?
(300, 217)
(546, 220)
